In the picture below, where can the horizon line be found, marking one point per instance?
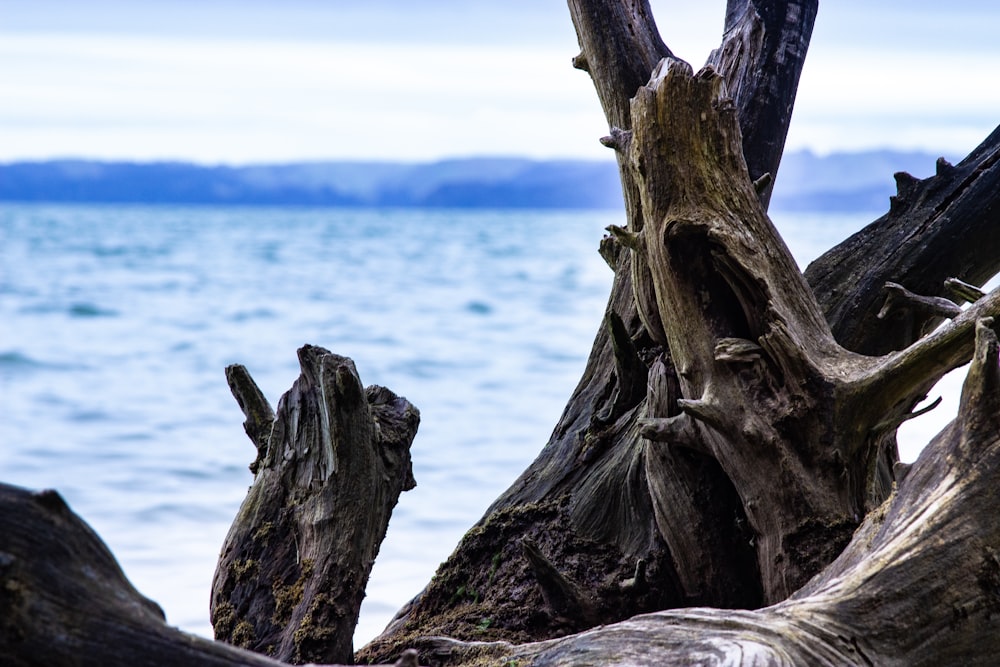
(481, 157)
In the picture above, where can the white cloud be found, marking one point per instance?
(150, 88)
(237, 101)
(900, 99)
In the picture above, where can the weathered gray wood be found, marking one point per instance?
(65, 601)
(721, 270)
(294, 566)
(674, 481)
(939, 228)
(919, 583)
(734, 424)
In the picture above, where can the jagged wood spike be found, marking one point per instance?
(610, 251)
(943, 167)
(906, 183)
(659, 429)
(258, 412)
(898, 297)
(704, 411)
(629, 239)
(979, 406)
(580, 62)
(761, 184)
(619, 139)
(637, 580)
(678, 430)
(963, 290)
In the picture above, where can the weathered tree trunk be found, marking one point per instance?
(733, 432)
(720, 436)
(919, 584)
(330, 467)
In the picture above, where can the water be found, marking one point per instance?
(116, 324)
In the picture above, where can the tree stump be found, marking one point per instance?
(331, 465)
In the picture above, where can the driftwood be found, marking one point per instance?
(919, 584)
(760, 438)
(730, 445)
(331, 465)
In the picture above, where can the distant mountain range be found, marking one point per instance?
(836, 182)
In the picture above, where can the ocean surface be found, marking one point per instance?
(116, 324)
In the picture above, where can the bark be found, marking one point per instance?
(330, 467)
(65, 601)
(732, 440)
(759, 443)
(939, 228)
(919, 584)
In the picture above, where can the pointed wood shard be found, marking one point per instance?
(630, 370)
(629, 239)
(979, 410)
(761, 185)
(898, 297)
(906, 183)
(619, 139)
(705, 411)
(906, 186)
(638, 580)
(943, 167)
(678, 430)
(610, 251)
(963, 290)
(258, 412)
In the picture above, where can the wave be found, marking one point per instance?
(90, 310)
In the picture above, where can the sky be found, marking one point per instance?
(250, 81)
